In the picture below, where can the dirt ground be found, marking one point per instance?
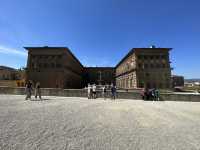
(60, 123)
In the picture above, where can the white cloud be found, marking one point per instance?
(6, 50)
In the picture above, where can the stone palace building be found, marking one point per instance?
(57, 67)
(144, 67)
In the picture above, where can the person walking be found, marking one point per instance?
(28, 90)
(38, 90)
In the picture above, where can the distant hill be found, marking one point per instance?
(192, 80)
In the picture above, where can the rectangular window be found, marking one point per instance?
(45, 65)
(147, 74)
(157, 57)
(145, 57)
(58, 65)
(163, 56)
(163, 65)
(145, 65)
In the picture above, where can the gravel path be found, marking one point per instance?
(59, 123)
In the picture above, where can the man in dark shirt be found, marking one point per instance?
(113, 92)
(37, 90)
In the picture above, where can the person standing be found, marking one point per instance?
(157, 94)
(38, 90)
(104, 92)
(94, 91)
(113, 92)
(89, 91)
(147, 94)
(142, 93)
(28, 90)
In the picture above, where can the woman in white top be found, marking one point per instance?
(89, 91)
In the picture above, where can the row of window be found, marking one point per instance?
(152, 56)
(5, 77)
(46, 65)
(154, 85)
(128, 83)
(125, 83)
(46, 56)
(152, 66)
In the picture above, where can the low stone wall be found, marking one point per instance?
(83, 93)
(181, 97)
(12, 90)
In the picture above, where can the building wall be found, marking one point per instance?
(129, 64)
(126, 73)
(127, 81)
(177, 81)
(54, 68)
(59, 68)
(150, 67)
(7, 74)
(153, 68)
(99, 75)
(12, 77)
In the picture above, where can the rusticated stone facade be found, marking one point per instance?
(54, 67)
(57, 67)
(144, 67)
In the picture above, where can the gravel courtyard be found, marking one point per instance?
(60, 123)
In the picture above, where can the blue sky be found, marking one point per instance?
(101, 32)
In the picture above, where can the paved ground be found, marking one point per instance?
(59, 123)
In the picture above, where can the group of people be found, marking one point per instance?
(29, 89)
(150, 94)
(92, 91)
(104, 91)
